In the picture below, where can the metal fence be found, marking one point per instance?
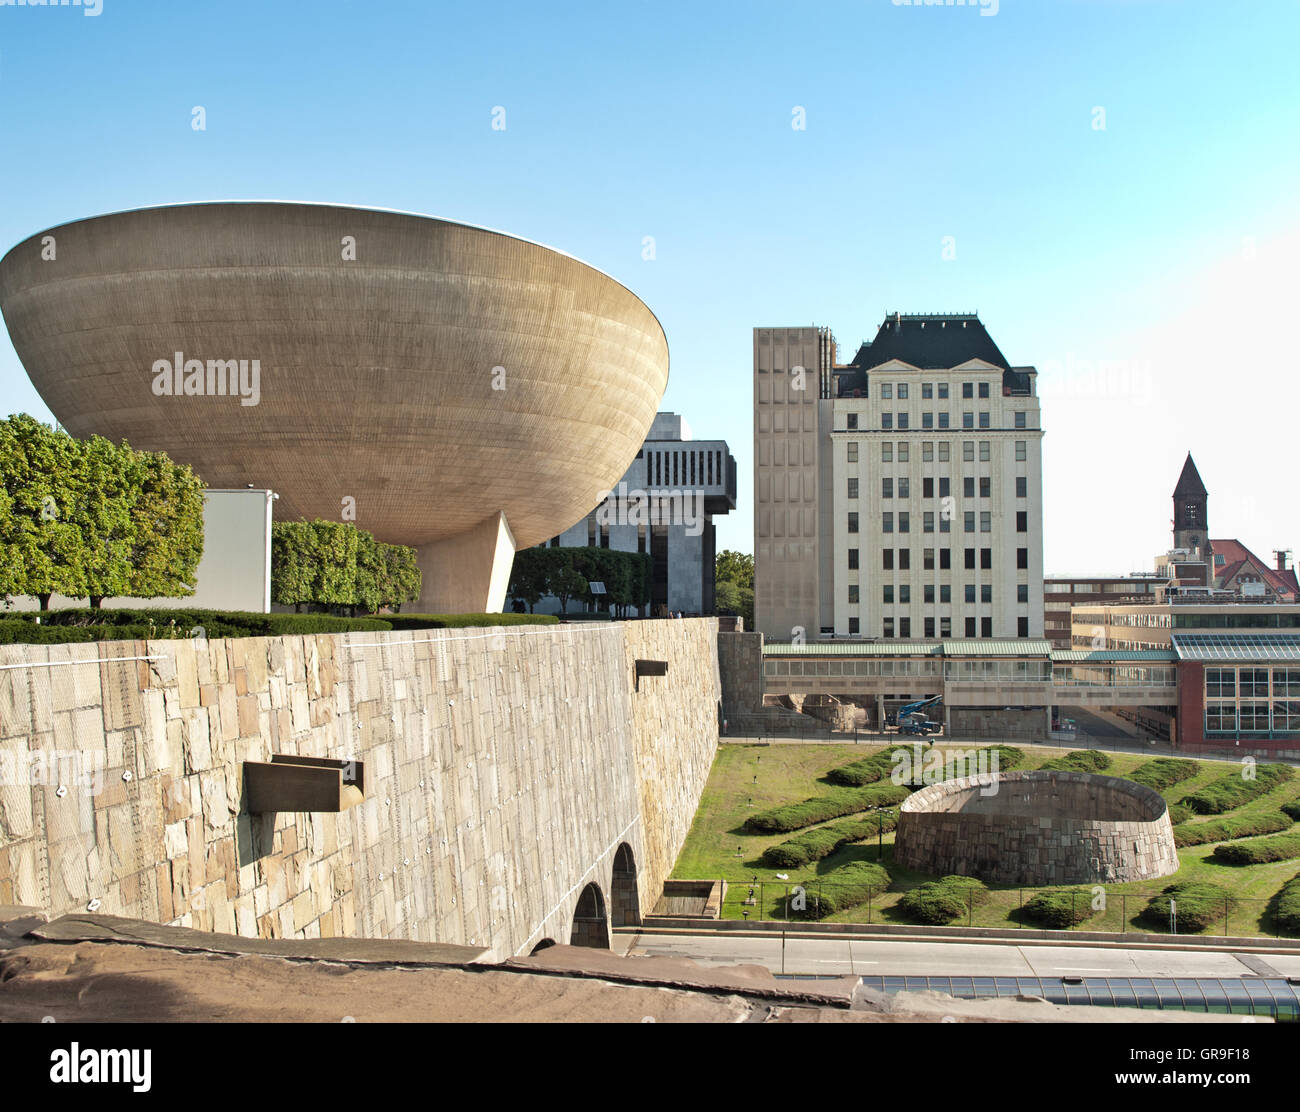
(1095, 908)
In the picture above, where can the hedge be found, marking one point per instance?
(461, 621)
(1200, 904)
(843, 888)
(1225, 830)
(1292, 809)
(868, 770)
(822, 808)
(1164, 772)
(1081, 760)
(813, 845)
(942, 901)
(1288, 906)
(27, 633)
(1060, 910)
(1179, 813)
(1258, 851)
(1232, 790)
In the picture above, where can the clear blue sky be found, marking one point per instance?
(1166, 242)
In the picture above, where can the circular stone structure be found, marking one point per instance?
(465, 391)
(1037, 828)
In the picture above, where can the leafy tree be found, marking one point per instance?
(733, 583)
(736, 567)
(336, 565)
(166, 526)
(565, 580)
(403, 579)
(529, 576)
(293, 556)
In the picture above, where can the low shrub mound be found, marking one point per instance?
(843, 888)
(1060, 910)
(823, 808)
(1288, 906)
(1225, 830)
(1259, 851)
(1199, 904)
(822, 841)
(1081, 760)
(942, 901)
(1292, 809)
(879, 766)
(1164, 772)
(868, 770)
(1179, 813)
(1232, 790)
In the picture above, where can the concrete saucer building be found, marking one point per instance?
(457, 389)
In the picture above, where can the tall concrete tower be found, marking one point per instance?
(1190, 528)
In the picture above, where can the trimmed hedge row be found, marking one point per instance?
(1081, 760)
(1232, 790)
(822, 841)
(1199, 904)
(1060, 910)
(1292, 809)
(868, 770)
(1164, 772)
(1179, 813)
(1288, 906)
(942, 901)
(1225, 830)
(846, 887)
(822, 808)
(1258, 851)
(460, 621)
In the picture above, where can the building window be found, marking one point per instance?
(853, 559)
(968, 451)
(945, 487)
(904, 592)
(1022, 557)
(945, 559)
(904, 487)
(886, 488)
(969, 521)
(968, 487)
(853, 627)
(904, 627)
(1220, 718)
(852, 419)
(1220, 683)
(853, 522)
(853, 594)
(1020, 449)
(1022, 487)
(986, 592)
(1022, 592)
(886, 420)
(904, 522)
(927, 488)
(887, 559)
(984, 451)
(888, 591)
(943, 420)
(929, 627)
(967, 389)
(902, 451)
(968, 420)
(888, 627)
(1022, 627)
(1020, 418)
(986, 487)
(927, 420)
(887, 523)
(886, 451)
(943, 389)
(902, 420)
(986, 559)
(984, 419)
(970, 627)
(902, 391)
(945, 627)
(927, 390)
(986, 627)
(853, 488)
(943, 448)
(887, 390)
(853, 452)
(927, 451)
(927, 521)
(970, 557)
(1022, 521)
(970, 592)
(927, 559)
(986, 521)
(984, 389)
(945, 593)
(904, 559)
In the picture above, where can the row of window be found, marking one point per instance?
(927, 420)
(904, 627)
(904, 487)
(945, 594)
(927, 522)
(889, 451)
(904, 558)
(1253, 718)
(1251, 683)
(887, 389)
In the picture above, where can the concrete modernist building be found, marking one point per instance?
(444, 386)
(899, 495)
(1061, 593)
(680, 483)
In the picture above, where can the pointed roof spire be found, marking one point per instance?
(1189, 482)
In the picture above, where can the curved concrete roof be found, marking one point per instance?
(377, 377)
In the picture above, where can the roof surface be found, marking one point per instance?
(1236, 555)
(1236, 646)
(1189, 482)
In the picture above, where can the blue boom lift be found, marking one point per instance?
(912, 718)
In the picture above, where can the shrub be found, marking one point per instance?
(845, 887)
(1060, 910)
(1164, 772)
(1232, 790)
(1179, 813)
(1288, 906)
(462, 621)
(868, 770)
(822, 841)
(60, 626)
(1081, 760)
(28, 633)
(942, 901)
(1225, 830)
(1200, 904)
(1257, 851)
(1292, 809)
(822, 808)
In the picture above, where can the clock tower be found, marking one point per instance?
(1190, 528)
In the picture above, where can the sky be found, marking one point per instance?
(1114, 185)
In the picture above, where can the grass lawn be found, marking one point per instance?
(749, 778)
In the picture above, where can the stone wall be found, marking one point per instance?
(740, 663)
(1037, 828)
(503, 770)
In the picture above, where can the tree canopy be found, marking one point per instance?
(335, 564)
(567, 573)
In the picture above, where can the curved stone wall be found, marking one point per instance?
(1038, 828)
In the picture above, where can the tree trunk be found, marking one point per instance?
(44, 599)
(96, 601)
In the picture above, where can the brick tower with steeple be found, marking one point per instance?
(1190, 528)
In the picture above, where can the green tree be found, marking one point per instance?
(166, 531)
(733, 584)
(293, 558)
(565, 580)
(736, 567)
(529, 576)
(403, 580)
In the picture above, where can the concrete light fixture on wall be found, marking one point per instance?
(298, 784)
(649, 668)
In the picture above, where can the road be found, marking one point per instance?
(840, 955)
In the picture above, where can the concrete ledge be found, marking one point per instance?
(903, 932)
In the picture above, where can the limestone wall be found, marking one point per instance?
(1037, 828)
(503, 769)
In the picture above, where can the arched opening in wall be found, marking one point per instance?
(625, 903)
(544, 944)
(590, 920)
